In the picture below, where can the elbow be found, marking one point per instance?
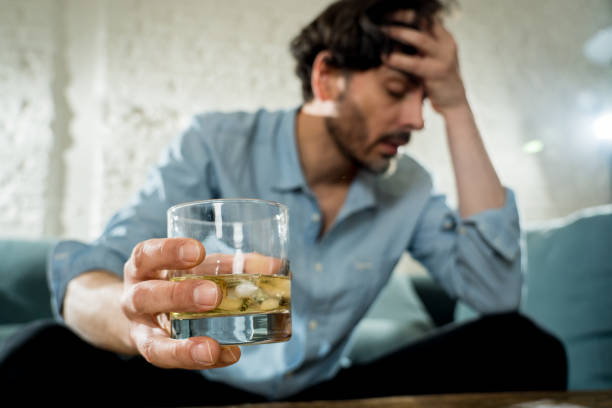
(499, 295)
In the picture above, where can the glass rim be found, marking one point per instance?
(171, 211)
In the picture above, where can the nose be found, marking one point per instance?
(411, 112)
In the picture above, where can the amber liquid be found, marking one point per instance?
(254, 309)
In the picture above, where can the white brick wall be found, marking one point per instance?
(27, 50)
(92, 90)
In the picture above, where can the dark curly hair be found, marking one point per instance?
(350, 31)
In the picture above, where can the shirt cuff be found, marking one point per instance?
(500, 227)
(68, 259)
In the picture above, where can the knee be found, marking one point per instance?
(526, 336)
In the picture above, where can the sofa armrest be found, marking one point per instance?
(24, 292)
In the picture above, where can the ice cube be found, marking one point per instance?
(245, 289)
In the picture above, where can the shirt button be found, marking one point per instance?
(316, 217)
(462, 230)
(318, 267)
(313, 324)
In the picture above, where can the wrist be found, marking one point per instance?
(459, 110)
(91, 309)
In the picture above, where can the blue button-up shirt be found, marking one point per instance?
(335, 277)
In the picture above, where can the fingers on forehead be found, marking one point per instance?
(407, 16)
(438, 28)
(150, 257)
(409, 64)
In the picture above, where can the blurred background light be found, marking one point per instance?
(603, 126)
(598, 49)
(533, 146)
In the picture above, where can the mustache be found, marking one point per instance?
(398, 138)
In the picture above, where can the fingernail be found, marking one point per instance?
(206, 294)
(228, 356)
(202, 354)
(189, 252)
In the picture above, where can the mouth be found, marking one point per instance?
(389, 145)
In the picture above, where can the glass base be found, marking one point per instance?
(237, 329)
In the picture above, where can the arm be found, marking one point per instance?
(478, 186)
(92, 309)
(130, 316)
(113, 293)
(475, 257)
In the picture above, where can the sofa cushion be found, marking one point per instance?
(24, 293)
(569, 291)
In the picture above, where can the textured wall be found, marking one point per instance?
(164, 64)
(523, 60)
(30, 111)
(92, 90)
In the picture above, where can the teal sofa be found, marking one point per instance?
(24, 293)
(568, 291)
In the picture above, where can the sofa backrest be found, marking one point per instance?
(569, 290)
(24, 293)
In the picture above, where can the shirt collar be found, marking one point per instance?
(361, 196)
(290, 175)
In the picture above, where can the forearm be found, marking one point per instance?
(92, 309)
(478, 187)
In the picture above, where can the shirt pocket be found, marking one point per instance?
(361, 280)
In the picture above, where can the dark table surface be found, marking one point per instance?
(577, 399)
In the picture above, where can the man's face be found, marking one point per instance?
(376, 113)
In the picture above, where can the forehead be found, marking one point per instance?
(380, 77)
(386, 73)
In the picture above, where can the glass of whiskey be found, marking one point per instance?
(246, 243)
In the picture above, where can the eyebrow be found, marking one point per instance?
(412, 79)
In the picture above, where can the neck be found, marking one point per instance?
(322, 161)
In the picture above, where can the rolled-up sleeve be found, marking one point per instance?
(475, 259)
(69, 259)
(183, 174)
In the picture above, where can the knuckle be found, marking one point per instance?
(128, 268)
(181, 293)
(175, 351)
(176, 292)
(147, 350)
(136, 297)
(449, 68)
(126, 304)
(138, 254)
(167, 248)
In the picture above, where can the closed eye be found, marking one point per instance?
(395, 94)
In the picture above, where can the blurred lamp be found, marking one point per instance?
(533, 146)
(598, 49)
(603, 126)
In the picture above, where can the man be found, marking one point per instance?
(355, 207)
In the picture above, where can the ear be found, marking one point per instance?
(327, 81)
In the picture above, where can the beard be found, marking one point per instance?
(349, 132)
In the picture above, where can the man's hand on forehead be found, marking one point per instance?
(435, 62)
(403, 17)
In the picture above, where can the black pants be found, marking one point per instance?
(505, 352)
